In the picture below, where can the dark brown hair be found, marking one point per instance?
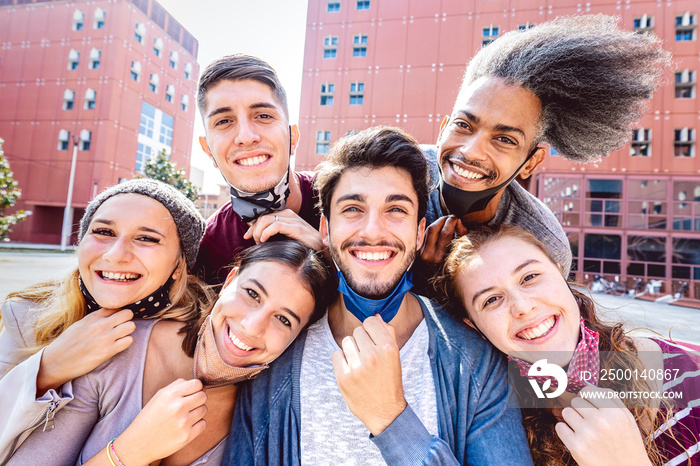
(377, 147)
(237, 68)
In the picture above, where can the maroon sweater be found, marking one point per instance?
(223, 238)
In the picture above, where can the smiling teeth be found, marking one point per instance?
(538, 331)
(373, 256)
(250, 161)
(239, 344)
(466, 173)
(119, 276)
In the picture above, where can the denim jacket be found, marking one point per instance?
(475, 424)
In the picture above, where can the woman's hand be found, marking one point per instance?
(168, 422)
(601, 431)
(83, 346)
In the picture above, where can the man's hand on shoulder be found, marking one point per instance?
(368, 373)
(287, 223)
(438, 237)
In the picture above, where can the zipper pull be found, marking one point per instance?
(49, 423)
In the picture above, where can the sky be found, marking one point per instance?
(273, 30)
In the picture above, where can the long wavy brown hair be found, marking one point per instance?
(618, 350)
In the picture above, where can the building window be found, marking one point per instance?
(73, 59)
(63, 138)
(641, 143)
(685, 84)
(143, 154)
(184, 102)
(99, 21)
(157, 46)
(166, 130)
(148, 115)
(646, 256)
(686, 208)
(135, 72)
(174, 58)
(330, 46)
(78, 18)
(646, 206)
(490, 33)
(188, 70)
(140, 32)
(327, 93)
(602, 253)
(85, 137)
(684, 142)
(685, 27)
(523, 27)
(94, 62)
(153, 82)
(603, 199)
(643, 24)
(323, 142)
(363, 4)
(90, 97)
(169, 92)
(359, 48)
(68, 99)
(333, 7)
(357, 93)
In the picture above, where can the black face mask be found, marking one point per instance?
(462, 203)
(142, 309)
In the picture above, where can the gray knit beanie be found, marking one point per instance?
(189, 222)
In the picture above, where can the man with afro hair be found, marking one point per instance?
(576, 83)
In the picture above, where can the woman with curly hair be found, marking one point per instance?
(503, 282)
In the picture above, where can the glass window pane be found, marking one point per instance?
(686, 251)
(656, 270)
(602, 246)
(606, 189)
(613, 221)
(591, 266)
(657, 223)
(611, 267)
(680, 272)
(646, 248)
(636, 221)
(646, 189)
(634, 268)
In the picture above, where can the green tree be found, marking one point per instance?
(162, 169)
(9, 193)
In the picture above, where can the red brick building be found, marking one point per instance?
(114, 77)
(400, 62)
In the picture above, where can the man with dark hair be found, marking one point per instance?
(386, 376)
(248, 137)
(576, 83)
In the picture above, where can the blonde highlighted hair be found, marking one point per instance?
(60, 304)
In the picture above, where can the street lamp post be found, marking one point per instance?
(68, 212)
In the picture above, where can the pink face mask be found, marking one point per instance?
(586, 359)
(211, 369)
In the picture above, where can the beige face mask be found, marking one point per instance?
(211, 369)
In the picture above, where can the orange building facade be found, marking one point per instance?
(113, 78)
(399, 62)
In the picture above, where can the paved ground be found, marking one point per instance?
(19, 269)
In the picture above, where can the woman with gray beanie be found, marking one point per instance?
(136, 244)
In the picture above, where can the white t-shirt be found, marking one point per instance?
(330, 433)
